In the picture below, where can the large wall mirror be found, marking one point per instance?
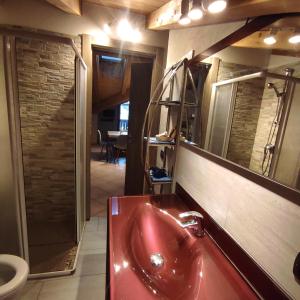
(250, 103)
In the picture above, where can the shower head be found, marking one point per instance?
(272, 86)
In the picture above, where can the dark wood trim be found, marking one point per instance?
(117, 48)
(273, 186)
(254, 274)
(249, 28)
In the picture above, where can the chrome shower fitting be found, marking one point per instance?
(272, 86)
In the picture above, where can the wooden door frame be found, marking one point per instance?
(159, 61)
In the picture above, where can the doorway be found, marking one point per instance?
(121, 93)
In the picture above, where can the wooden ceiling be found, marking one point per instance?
(283, 30)
(164, 14)
(166, 17)
(141, 6)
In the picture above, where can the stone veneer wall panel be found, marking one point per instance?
(244, 122)
(46, 83)
(266, 117)
(246, 111)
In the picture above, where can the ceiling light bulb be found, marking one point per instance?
(270, 40)
(217, 6)
(136, 36)
(124, 29)
(184, 20)
(195, 14)
(295, 39)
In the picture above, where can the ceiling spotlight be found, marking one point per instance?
(216, 6)
(136, 36)
(196, 12)
(124, 29)
(270, 40)
(184, 19)
(295, 39)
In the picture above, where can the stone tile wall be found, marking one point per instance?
(246, 111)
(46, 84)
(266, 117)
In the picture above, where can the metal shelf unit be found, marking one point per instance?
(174, 107)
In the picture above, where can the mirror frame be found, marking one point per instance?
(280, 189)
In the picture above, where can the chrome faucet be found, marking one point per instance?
(196, 222)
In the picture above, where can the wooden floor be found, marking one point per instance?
(107, 179)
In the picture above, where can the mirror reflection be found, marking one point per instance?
(250, 104)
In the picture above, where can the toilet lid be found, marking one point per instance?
(21, 269)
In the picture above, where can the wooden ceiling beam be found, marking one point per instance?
(166, 17)
(68, 6)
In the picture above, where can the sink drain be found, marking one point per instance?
(157, 260)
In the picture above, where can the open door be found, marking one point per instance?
(140, 89)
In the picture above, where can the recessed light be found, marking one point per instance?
(295, 39)
(270, 40)
(217, 6)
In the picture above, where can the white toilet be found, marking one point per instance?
(13, 276)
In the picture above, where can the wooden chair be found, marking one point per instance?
(103, 144)
(120, 146)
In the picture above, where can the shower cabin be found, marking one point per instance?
(265, 105)
(43, 144)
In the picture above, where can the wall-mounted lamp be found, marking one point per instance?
(196, 12)
(271, 38)
(295, 38)
(184, 18)
(215, 6)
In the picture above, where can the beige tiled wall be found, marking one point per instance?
(264, 224)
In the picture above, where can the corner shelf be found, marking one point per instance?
(158, 181)
(176, 108)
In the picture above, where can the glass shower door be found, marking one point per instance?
(220, 118)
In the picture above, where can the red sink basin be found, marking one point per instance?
(193, 268)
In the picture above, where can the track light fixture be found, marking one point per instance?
(215, 6)
(295, 38)
(194, 9)
(196, 12)
(184, 19)
(271, 38)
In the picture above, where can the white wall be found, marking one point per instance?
(182, 41)
(266, 225)
(41, 15)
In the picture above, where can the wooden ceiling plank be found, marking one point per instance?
(68, 6)
(139, 6)
(237, 10)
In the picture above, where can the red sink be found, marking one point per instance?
(192, 268)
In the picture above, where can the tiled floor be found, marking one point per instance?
(88, 281)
